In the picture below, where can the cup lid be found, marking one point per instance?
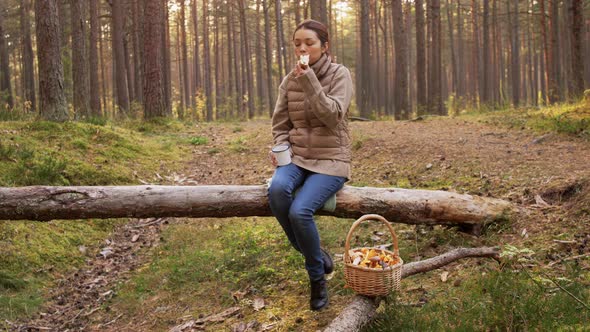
(280, 148)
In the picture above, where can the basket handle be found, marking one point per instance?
(365, 218)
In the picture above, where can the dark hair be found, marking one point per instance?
(320, 30)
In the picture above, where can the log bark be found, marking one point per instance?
(428, 207)
(362, 309)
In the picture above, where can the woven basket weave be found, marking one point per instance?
(367, 281)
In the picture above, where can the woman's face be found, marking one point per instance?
(306, 41)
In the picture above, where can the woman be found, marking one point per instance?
(310, 116)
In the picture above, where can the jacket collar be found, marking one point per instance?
(320, 67)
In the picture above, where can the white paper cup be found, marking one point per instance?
(282, 154)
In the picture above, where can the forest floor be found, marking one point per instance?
(149, 274)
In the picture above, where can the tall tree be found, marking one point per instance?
(137, 39)
(207, 62)
(197, 59)
(80, 76)
(95, 109)
(363, 100)
(436, 105)
(259, 81)
(487, 65)
(515, 55)
(461, 52)
(267, 49)
(420, 58)
(247, 58)
(185, 71)
(154, 104)
(550, 76)
(118, 12)
(475, 52)
(452, 46)
(577, 64)
(52, 100)
(282, 59)
(555, 48)
(166, 68)
(237, 51)
(27, 47)
(5, 87)
(401, 62)
(319, 11)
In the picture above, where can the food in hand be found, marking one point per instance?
(304, 59)
(372, 258)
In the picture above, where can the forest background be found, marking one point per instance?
(484, 97)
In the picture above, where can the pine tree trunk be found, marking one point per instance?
(555, 49)
(461, 53)
(474, 77)
(267, 48)
(185, 71)
(118, 10)
(95, 108)
(386, 88)
(229, 45)
(207, 61)
(166, 61)
(154, 103)
(401, 61)
(487, 64)
(197, 60)
(363, 99)
(577, 64)
(281, 55)
(437, 59)
(52, 100)
(319, 11)
(247, 58)
(515, 58)
(64, 40)
(28, 56)
(80, 77)
(5, 86)
(137, 40)
(260, 91)
(452, 48)
(129, 69)
(236, 54)
(216, 51)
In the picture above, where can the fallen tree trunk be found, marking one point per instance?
(397, 205)
(362, 309)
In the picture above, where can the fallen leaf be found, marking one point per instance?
(135, 237)
(258, 303)
(444, 276)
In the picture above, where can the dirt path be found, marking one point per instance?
(442, 153)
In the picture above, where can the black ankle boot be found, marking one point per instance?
(319, 295)
(328, 263)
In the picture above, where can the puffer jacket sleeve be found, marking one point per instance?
(281, 124)
(330, 108)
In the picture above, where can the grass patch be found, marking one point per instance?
(34, 254)
(505, 300)
(571, 119)
(199, 140)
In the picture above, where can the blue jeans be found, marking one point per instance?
(295, 214)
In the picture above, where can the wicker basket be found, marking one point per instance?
(367, 281)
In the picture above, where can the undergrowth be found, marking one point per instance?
(34, 254)
(570, 119)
